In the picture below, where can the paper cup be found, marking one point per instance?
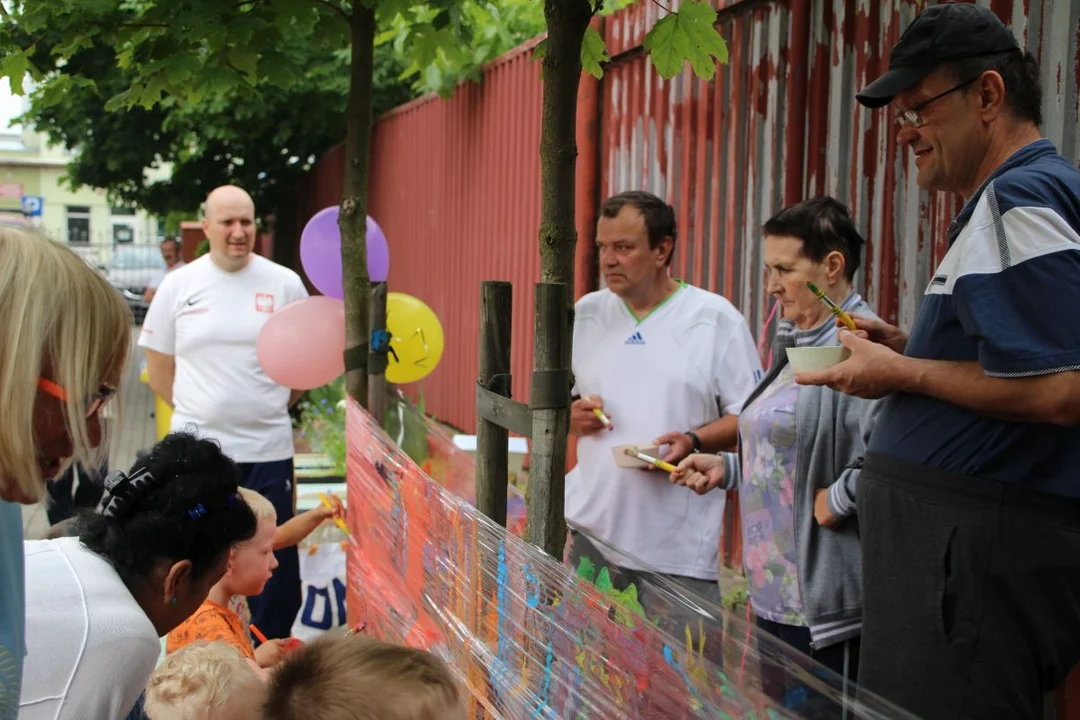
(809, 359)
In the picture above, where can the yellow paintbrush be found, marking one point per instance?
(601, 416)
(340, 523)
(833, 307)
(658, 464)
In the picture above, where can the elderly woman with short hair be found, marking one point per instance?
(799, 453)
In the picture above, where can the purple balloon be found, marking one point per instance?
(320, 252)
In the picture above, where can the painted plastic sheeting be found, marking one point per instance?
(530, 637)
(780, 123)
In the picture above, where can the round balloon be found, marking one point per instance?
(416, 336)
(320, 252)
(302, 345)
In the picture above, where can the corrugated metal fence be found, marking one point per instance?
(455, 183)
(780, 123)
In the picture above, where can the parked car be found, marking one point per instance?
(130, 271)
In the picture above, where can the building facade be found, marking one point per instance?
(32, 187)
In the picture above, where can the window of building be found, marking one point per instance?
(122, 233)
(123, 211)
(78, 224)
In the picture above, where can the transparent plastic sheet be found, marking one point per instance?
(528, 637)
(433, 449)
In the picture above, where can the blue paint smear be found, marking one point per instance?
(532, 587)
(499, 668)
(670, 658)
(501, 609)
(543, 707)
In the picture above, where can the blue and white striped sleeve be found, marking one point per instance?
(1016, 278)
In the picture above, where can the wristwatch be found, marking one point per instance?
(697, 441)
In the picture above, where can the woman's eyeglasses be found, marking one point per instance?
(94, 403)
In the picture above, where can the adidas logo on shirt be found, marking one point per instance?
(635, 339)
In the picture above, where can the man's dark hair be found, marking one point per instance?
(659, 216)
(179, 502)
(824, 225)
(1020, 73)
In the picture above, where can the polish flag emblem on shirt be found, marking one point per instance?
(264, 302)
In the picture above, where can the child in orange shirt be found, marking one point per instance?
(250, 566)
(291, 533)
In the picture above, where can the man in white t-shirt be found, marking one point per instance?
(170, 253)
(669, 365)
(199, 336)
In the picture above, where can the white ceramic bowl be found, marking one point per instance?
(809, 359)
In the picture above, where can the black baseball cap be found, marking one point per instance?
(940, 34)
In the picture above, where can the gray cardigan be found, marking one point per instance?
(831, 433)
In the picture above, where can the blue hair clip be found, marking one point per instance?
(199, 509)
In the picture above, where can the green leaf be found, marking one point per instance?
(119, 101)
(58, 89)
(540, 51)
(593, 52)
(245, 61)
(385, 37)
(15, 67)
(610, 7)
(441, 20)
(689, 35)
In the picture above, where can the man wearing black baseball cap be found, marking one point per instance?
(969, 498)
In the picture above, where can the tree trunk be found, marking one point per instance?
(567, 21)
(545, 520)
(377, 363)
(353, 217)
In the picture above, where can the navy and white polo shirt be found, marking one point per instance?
(1006, 295)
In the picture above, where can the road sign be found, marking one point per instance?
(31, 205)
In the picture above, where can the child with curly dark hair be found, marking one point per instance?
(97, 603)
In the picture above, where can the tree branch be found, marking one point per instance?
(4, 13)
(344, 15)
(663, 7)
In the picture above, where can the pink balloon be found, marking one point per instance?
(302, 345)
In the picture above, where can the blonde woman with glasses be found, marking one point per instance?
(64, 334)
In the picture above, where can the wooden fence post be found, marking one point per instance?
(377, 362)
(545, 524)
(492, 448)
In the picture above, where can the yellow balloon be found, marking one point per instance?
(416, 337)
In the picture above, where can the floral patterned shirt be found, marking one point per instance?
(767, 498)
